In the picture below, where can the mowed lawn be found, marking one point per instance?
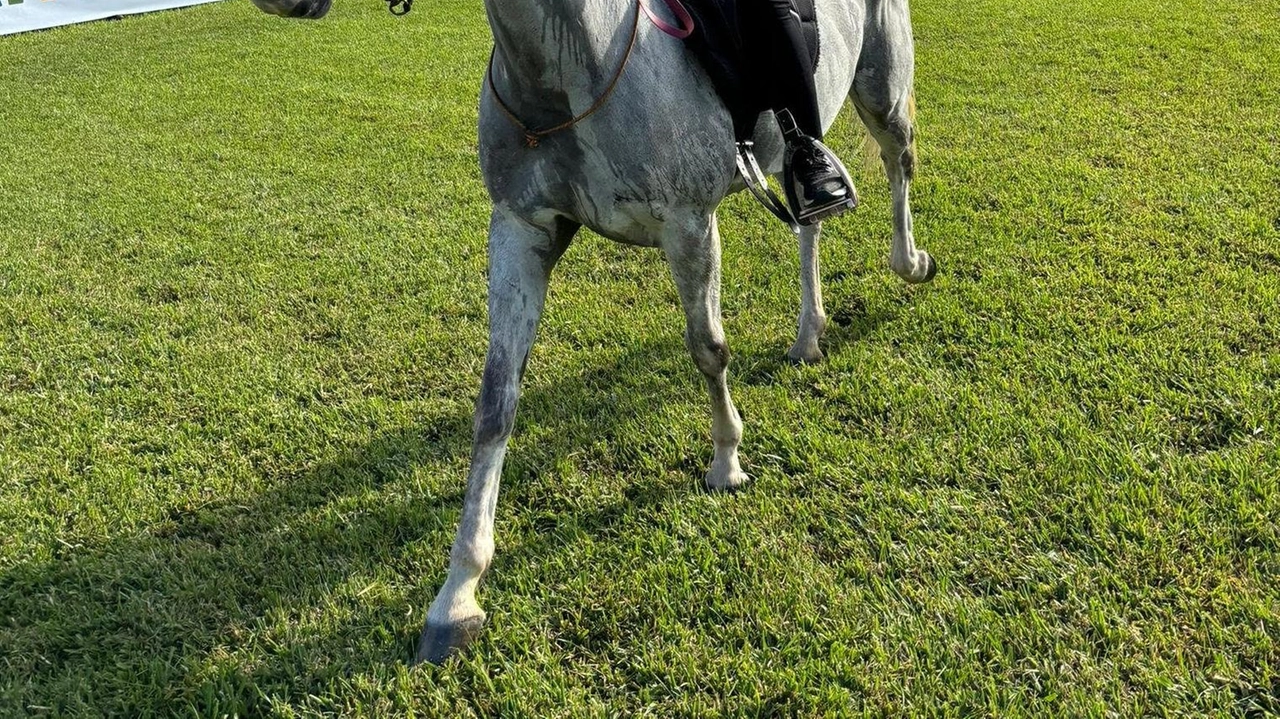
(242, 326)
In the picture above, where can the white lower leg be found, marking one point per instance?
(726, 432)
(693, 253)
(473, 547)
(813, 318)
(907, 262)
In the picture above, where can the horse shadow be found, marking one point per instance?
(169, 605)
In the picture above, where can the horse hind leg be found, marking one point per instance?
(521, 257)
(883, 96)
(693, 253)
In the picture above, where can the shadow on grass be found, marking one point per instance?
(153, 621)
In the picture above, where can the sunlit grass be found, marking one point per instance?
(242, 325)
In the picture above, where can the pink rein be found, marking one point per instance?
(686, 27)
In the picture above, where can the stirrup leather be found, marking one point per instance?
(756, 181)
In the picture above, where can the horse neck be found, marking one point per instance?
(555, 48)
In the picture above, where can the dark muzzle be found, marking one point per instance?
(309, 9)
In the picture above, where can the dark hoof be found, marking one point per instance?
(799, 358)
(932, 271)
(439, 643)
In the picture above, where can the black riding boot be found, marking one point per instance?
(817, 184)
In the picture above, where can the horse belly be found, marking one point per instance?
(632, 196)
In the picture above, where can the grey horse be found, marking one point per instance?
(648, 168)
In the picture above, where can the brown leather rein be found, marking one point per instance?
(533, 137)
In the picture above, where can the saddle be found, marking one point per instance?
(722, 41)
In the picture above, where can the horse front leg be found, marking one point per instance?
(813, 318)
(693, 252)
(521, 256)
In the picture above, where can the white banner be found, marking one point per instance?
(24, 15)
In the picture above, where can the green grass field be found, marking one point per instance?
(242, 327)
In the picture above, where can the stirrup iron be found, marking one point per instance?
(812, 215)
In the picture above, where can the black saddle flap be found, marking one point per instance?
(725, 43)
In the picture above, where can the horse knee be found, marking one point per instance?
(711, 355)
(495, 419)
(496, 408)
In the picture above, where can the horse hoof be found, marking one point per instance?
(439, 642)
(731, 485)
(804, 356)
(726, 480)
(932, 270)
(911, 271)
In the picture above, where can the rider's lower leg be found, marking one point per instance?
(816, 182)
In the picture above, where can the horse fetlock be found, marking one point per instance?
(805, 351)
(725, 472)
(468, 562)
(711, 356)
(916, 268)
(819, 323)
(813, 324)
(455, 618)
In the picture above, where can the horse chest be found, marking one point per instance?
(621, 198)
